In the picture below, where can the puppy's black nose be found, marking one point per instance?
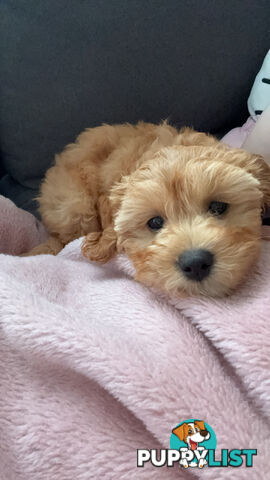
(196, 264)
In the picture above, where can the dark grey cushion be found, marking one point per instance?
(71, 64)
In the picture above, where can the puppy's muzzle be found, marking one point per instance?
(196, 264)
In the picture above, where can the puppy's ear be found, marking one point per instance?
(200, 424)
(258, 168)
(180, 431)
(261, 170)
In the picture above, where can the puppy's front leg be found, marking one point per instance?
(51, 247)
(100, 246)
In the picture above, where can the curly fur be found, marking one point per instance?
(113, 179)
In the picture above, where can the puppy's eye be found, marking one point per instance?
(190, 431)
(217, 208)
(155, 223)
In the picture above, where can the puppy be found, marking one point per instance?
(185, 208)
(192, 433)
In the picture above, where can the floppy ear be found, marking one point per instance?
(253, 164)
(200, 424)
(180, 431)
(260, 170)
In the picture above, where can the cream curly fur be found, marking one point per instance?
(113, 179)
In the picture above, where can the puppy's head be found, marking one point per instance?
(192, 433)
(190, 218)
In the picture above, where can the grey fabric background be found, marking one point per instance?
(71, 64)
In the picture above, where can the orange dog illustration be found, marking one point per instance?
(192, 433)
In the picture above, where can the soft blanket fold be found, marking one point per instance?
(94, 366)
(19, 230)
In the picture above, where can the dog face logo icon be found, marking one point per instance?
(192, 433)
(193, 438)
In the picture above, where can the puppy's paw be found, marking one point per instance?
(184, 462)
(202, 462)
(51, 247)
(99, 246)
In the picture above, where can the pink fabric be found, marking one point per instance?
(19, 230)
(237, 136)
(253, 136)
(258, 140)
(94, 366)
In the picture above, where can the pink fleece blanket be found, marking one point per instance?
(95, 366)
(19, 230)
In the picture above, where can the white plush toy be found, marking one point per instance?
(254, 135)
(259, 98)
(258, 141)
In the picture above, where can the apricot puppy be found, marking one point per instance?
(185, 208)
